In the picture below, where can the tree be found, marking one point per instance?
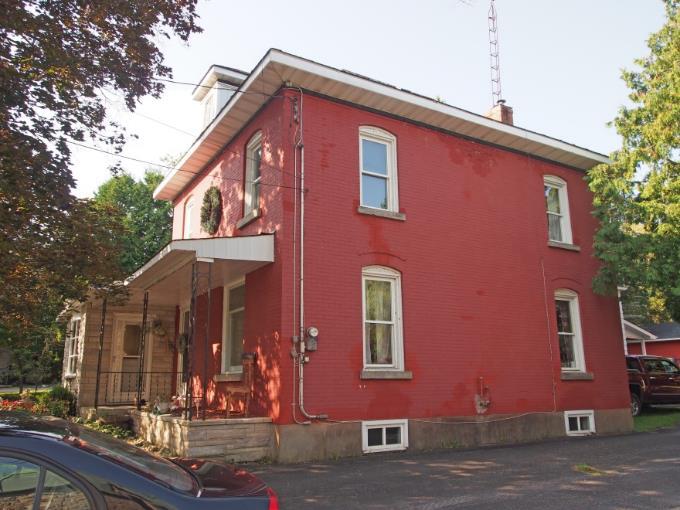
(637, 196)
(59, 61)
(147, 223)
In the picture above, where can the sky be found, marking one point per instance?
(560, 62)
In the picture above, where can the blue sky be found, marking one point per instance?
(560, 62)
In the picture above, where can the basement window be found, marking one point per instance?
(579, 423)
(384, 435)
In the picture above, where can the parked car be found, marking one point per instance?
(652, 380)
(54, 464)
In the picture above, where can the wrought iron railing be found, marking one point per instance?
(133, 388)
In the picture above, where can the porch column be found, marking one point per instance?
(142, 342)
(99, 355)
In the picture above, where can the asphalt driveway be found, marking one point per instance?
(623, 472)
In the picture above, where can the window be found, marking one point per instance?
(385, 435)
(72, 345)
(188, 210)
(251, 198)
(557, 209)
(234, 315)
(569, 330)
(381, 292)
(378, 167)
(660, 365)
(579, 423)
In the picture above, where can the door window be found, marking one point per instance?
(132, 335)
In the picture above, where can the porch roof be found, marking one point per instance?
(232, 257)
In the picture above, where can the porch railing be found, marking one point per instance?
(128, 388)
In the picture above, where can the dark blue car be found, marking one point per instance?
(52, 464)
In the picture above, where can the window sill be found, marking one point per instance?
(564, 246)
(577, 376)
(228, 377)
(381, 213)
(387, 374)
(252, 215)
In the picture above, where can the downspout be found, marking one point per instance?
(623, 327)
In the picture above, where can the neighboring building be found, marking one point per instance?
(408, 274)
(655, 339)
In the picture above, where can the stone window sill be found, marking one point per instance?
(228, 377)
(564, 246)
(387, 374)
(577, 376)
(252, 215)
(391, 215)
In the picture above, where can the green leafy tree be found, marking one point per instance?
(147, 223)
(59, 60)
(637, 196)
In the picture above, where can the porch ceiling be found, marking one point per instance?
(167, 276)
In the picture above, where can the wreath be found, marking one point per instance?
(211, 210)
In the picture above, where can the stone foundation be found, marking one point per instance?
(232, 440)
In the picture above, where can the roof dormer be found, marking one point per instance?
(215, 89)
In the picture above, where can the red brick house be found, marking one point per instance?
(407, 273)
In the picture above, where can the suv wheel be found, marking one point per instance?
(635, 404)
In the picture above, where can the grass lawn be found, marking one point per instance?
(656, 418)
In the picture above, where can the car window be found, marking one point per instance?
(138, 460)
(59, 494)
(18, 483)
(652, 365)
(668, 367)
(632, 364)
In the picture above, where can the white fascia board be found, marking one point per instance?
(639, 330)
(431, 104)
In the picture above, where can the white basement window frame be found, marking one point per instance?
(579, 423)
(569, 335)
(384, 435)
(557, 209)
(72, 345)
(381, 170)
(394, 359)
(231, 311)
(187, 219)
(253, 175)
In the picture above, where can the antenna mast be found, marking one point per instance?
(496, 96)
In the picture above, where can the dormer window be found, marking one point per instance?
(209, 107)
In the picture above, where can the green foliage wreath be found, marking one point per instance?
(211, 210)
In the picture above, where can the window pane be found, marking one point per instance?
(379, 344)
(573, 424)
(237, 297)
(374, 437)
(563, 316)
(131, 339)
(393, 435)
(235, 337)
(374, 156)
(584, 422)
(374, 191)
(378, 300)
(18, 481)
(567, 356)
(60, 494)
(256, 156)
(552, 199)
(555, 227)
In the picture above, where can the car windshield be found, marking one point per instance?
(150, 466)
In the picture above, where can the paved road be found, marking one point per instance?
(634, 471)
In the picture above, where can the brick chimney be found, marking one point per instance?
(501, 112)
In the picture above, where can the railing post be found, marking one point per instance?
(206, 347)
(142, 342)
(99, 355)
(190, 342)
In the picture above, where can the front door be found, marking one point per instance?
(127, 358)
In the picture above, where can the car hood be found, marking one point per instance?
(222, 480)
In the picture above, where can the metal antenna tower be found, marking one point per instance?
(496, 96)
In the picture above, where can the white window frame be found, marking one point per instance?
(72, 345)
(552, 181)
(381, 273)
(381, 136)
(251, 206)
(383, 424)
(577, 335)
(228, 366)
(589, 413)
(187, 217)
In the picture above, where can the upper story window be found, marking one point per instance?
(251, 198)
(569, 331)
(557, 209)
(383, 339)
(72, 345)
(188, 213)
(378, 167)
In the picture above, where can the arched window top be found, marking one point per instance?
(381, 271)
(566, 293)
(554, 180)
(254, 140)
(373, 131)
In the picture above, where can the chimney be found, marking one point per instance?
(501, 112)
